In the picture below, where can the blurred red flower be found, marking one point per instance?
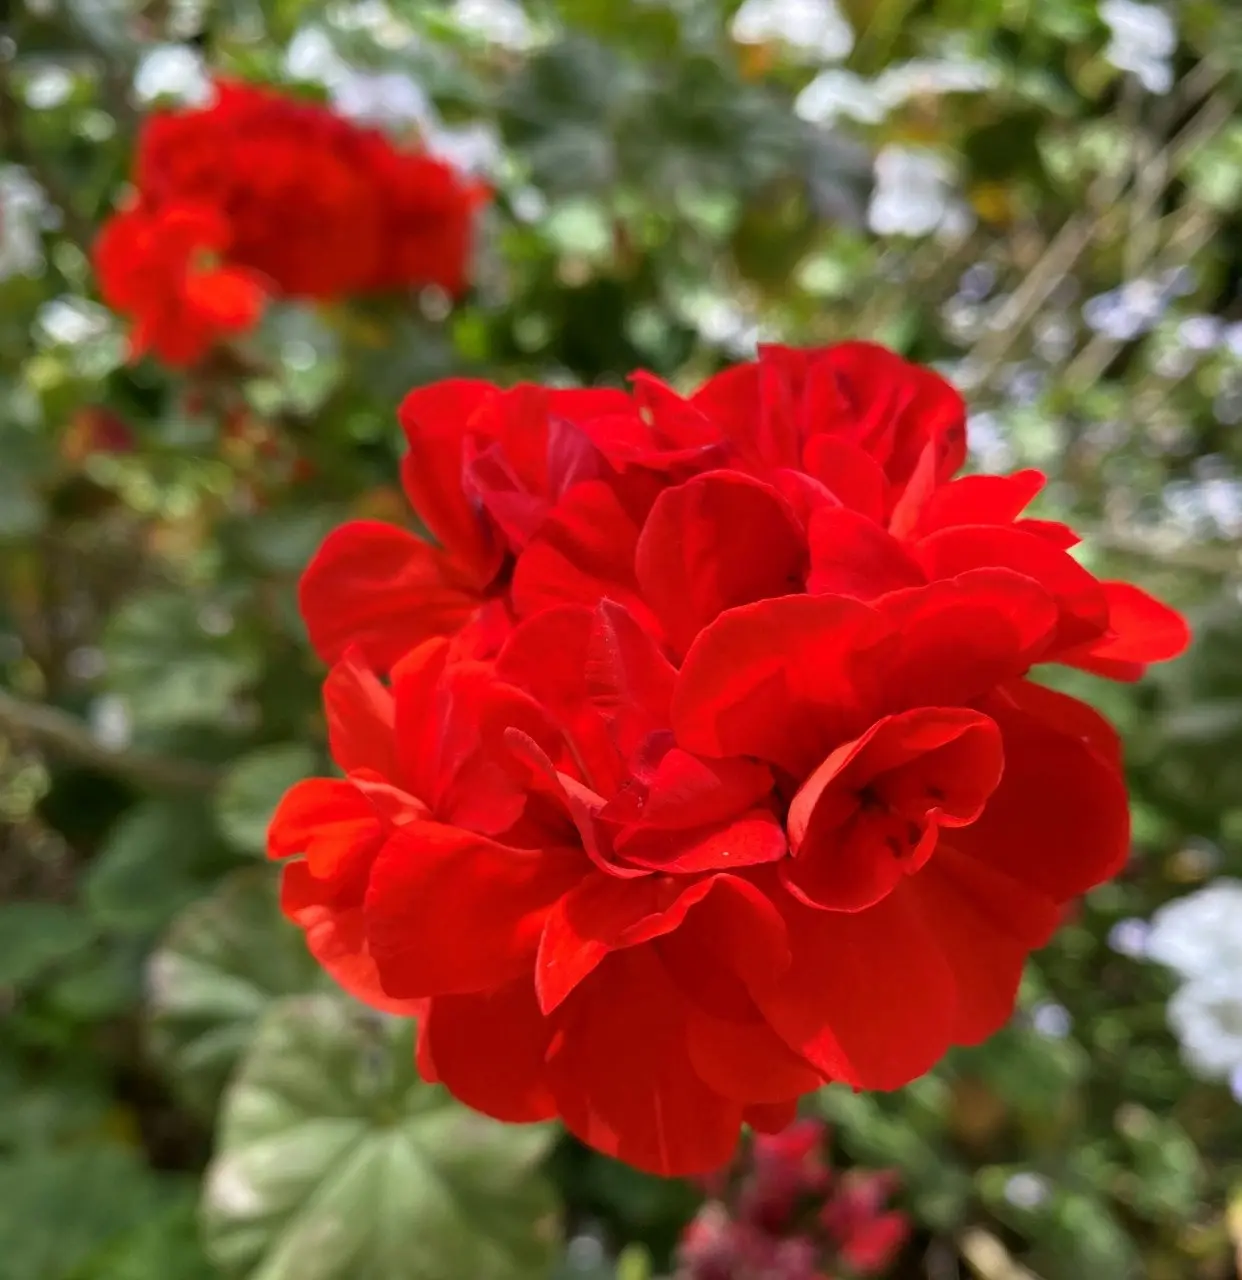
(260, 195)
(782, 1213)
(681, 780)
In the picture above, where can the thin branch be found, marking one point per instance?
(67, 736)
(1216, 560)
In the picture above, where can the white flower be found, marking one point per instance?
(816, 29)
(23, 207)
(312, 56)
(382, 97)
(1143, 40)
(933, 78)
(72, 321)
(172, 71)
(1206, 1017)
(470, 148)
(499, 22)
(1200, 935)
(914, 193)
(48, 87)
(836, 93)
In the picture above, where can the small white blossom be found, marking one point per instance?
(112, 726)
(72, 321)
(1142, 41)
(312, 56)
(172, 71)
(382, 97)
(1129, 937)
(1206, 1017)
(1027, 1190)
(837, 93)
(914, 193)
(814, 29)
(48, 87)
(1200, 333)
(933, 78)
(470, 148)
(1200, 935)
(500, 22)
(23, 207)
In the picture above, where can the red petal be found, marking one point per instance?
(332, 823)
(382, 589)
(688, 791)
(1060, 821)
(1084, 607)
(849, 473)
(733, 939)
(869, 997)
(336, 939)
(717, 541)
(851, 555)
(602, 914)
(435, 419)
(227, 299)
(960, 637)
(628, 679)
(748, 1061)
(416, 719)
(1067, 715)
(775, 680)
(771, 1117)
(584, 551)
(361, 718)
(450, 912)
(548, 656)
(1140, 630)
(489, 1051)
(986, 924)
(975, 500)
(868, 816)
(623, 1078)
(746, 841)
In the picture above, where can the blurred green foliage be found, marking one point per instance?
(180, 1095)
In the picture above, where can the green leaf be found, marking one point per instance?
(168, 667)
(221, 965)
(335, 1162)
(165, 1246)
(145, 871)
(252, 789)
(60, 1208)
(36, 935)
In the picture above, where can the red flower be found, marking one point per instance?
(722, 779)
(165, 267)
(483, 470)
(784, 1214)
(284, 194)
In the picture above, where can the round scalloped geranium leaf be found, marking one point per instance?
(336, 1162)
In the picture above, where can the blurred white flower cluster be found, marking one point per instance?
(814, 30)
(389, 98)
(837, 94)
(23, 209)
(1142, 41)
(1199, 937)
(915, 195)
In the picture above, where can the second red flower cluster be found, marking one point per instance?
(700, 763)
(259, 195)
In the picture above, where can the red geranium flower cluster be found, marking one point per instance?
(785, 1214)
(699, 762)
(259, 195)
